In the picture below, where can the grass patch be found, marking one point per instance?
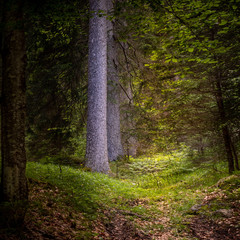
(86, 190)
(162, 187)
(172, 179)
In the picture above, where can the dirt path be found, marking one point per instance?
(48, 219)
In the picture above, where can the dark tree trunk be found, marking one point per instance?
(235, 156)
(227, 142)
(13, 110)
(224, 127)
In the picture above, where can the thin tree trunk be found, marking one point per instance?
(96, 151)
(224, 127)
(235, 155)
(13, 109)
(115, 149)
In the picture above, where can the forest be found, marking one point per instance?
(120, 119)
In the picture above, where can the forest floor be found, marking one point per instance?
(51, 215)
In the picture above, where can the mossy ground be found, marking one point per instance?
(143, 198)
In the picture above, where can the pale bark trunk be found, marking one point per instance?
(96, 151)
(13, 111)
(115, 149)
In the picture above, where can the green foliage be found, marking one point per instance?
(85, 190)
(175, 171)
(229, 183)
(60, 160)
(185, 46)
(56, 87)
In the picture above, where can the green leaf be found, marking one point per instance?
(223, 22)
(190, 50)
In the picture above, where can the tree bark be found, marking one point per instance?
(224, 127)
(235, 155)
(96, 150)
(115, 149)
(13, 107)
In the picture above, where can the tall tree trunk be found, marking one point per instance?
(224, 127)
(13, 110)
(115, 149)
(96, 151)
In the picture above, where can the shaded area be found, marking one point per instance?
(202, 228)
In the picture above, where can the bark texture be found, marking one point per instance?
(14, 191)
(13, 109)
(96, 151)
(115, 149)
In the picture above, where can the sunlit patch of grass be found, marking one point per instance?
(86, 190)
(162, 171)
(172, 179)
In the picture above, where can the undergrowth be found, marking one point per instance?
(86, 190)
(138, 185)
(164, 171)
(173, 179)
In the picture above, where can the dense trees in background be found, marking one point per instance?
(193, 59)
(57, 79)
